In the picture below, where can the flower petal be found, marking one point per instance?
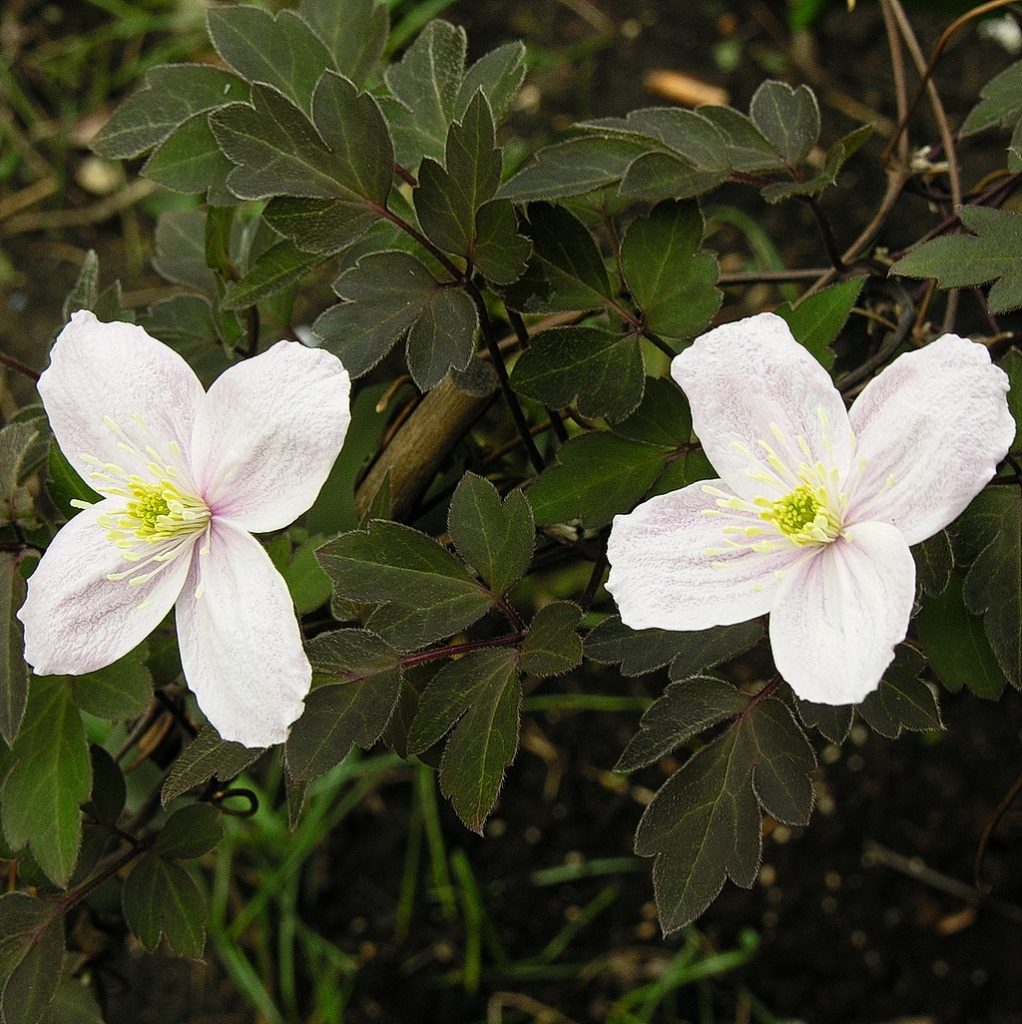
(240, 646)
(837, 618)
(662, 575)
(931, 428)
(76, 620)
(269, 433)
(115, 372)
(751, 383)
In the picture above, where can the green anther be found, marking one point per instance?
(149, 506)
(794, 512)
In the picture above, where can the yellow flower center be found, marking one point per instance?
(804, 516)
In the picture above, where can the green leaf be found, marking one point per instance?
(180, 251)
(385, 295)
(51, 775)
(324, 226)
(426, 84)
(817, 319)
(206, 757)
(449, 196)
(703, 825)
(663, 418)
(1000, 104)
(272, 271)
(109, 790)
(671, 281)
(172, 94)
(309, 586)
(993, 585)
(479, 692)
(499, 75)
(354, 708)
(746, 147)
(160, 896)
(597, 476)
(442, 338)
(788, 118)
(189, 832)
(190, 161)
(495, 538)
(500, 251)
(656, 176)
(390, 562)
(956, 645)
(685, 133)
(1011, 364)
(832, 722)
(934, 563)
(552, 645)
(85, 291)
(707, 648)
(347, 154)
(837, 156)
(601, 373)
(17, 441)
(573, 168)
(31, 956)
(121, 690)
(903, 700)
(13, 671)
(992, 253)
(280, 50)
(354, 31)
(73, 1003)
(685, 709)
(566, 270)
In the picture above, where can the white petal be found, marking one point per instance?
(240, 646)
(76, 620)
(269, 433)
(837, 618)
(932, 428)
(662, 575)
(102, 372)
(749, 379)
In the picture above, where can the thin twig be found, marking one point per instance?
(19, 367)
(984, 841)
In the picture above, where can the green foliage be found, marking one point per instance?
(17, 445)
(161, 897)
(354, 32)
(993, 252)
(205, 758)
(189, 832)
(818, 319)
(1000, 106)
(788, 118)
(903, 700)
(552, 646)
(121, 690)
(31, 957)
(13, 670)
(934, 563)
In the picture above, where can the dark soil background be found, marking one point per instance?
(866, 915)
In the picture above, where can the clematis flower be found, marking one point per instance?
(816, 507)
(186, 478)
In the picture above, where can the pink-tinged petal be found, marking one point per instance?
(671, 565)
(241, 650)
(114, 373)
(837, 618)
(932, 428)
(750, 382)
(268, 435)
(76, 620)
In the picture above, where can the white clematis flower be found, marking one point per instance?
(186, 477)
(816, 507)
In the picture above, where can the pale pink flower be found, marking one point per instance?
(186, 477)
(817, 506)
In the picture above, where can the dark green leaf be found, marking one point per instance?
(190, 161)
(837, 157)
(109, 790)
(552, 646)
(566, 270)
(184, 320)
(324, 226)
(496, 538)
(706, 648)
(663, 418)
(426, 84)
(354, 31)
(993, 586)
(684, 132)
(172, 95)
(597, 476)
(85, 291)
(747, 149)
(954, 641)
(663, 176)
(1000, 104)
(442, 338)
(73, 1003)
(273, 270)
(903, 700)
(181, 250)
(189, 832)
(599, 372)
(309, 586)
(831, 722)
(480, 693)
(390, 562)
(17, 442)
(788, 118)
(206, 757)
(13, 671)
(572, 168)
(818, 319)
(121, 690)
(353, 710)
(992, 253)
(277, 50)
(685, 709)
(671, 281)
(449, 196)
(500, 251)
(784, 760)
(160, 896)
(51, 775)
(498, 74)
(1012, 366)
(31, 956)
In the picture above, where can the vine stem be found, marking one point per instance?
(19, 367)
(451, 650)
